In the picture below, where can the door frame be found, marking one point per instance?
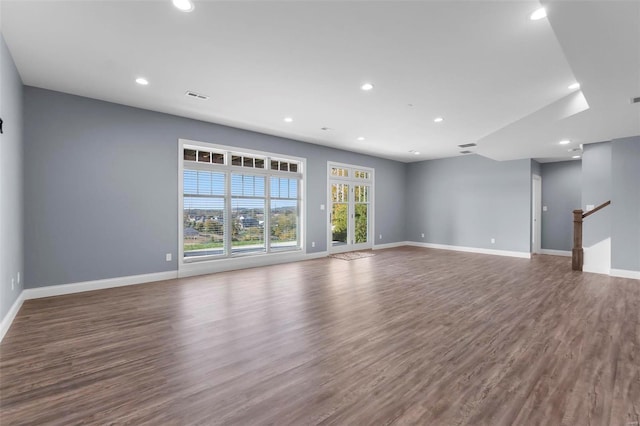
(536, 214)
(351, 180)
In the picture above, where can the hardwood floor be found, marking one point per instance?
(409, 336)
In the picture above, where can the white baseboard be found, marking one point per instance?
(244, 262)
(390, 245)
(556, 252)
(520, 254)
(622, 273)
(59, 290)
(10, 316)
(596, 269)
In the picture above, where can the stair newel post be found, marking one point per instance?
(577, 257)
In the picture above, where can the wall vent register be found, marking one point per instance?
(196, 95)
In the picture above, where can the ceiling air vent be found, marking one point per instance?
(191, 94)
(635, 100)
(465, 152)
(467, 145)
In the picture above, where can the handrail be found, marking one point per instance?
(577, 254)
(600, 207)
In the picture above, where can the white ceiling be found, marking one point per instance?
(497, 78)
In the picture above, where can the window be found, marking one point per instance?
(247, 213)
(203, 213)
(339, 172)
(233, 205)
(284, 213)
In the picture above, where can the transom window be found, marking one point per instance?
(238, 203)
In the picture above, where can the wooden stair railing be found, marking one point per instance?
(577, 254)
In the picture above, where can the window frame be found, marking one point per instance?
(228, 169)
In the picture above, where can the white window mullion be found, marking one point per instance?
(267, 212)
(299, 213)
(228, 226)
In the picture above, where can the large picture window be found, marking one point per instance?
(238, 203)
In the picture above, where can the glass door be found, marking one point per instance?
(339, 214)
(350, 208)
(361, 216)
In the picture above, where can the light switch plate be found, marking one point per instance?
(590, 207)
(544, 208)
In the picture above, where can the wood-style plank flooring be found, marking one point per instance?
(409, 336)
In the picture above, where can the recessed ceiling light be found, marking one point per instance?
(366, 86)
(416, 152)
(564, 142)
(438, 120)
(576, 156)
(574, 86)
(360, 138)
(142, 81)
(538, 14)
(183, 5)
(288, 119)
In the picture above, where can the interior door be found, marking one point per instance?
(536, 215)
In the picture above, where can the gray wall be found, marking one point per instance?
(466, 201)
(11, 185)
(561, 194)
(596, 189)
(625, 204)
(101, 186)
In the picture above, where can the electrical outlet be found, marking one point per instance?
(493, 241)
(313, 243)
(380, 236)
(13, 283)
(544, 208)
(168, 257)
(321, 206)
(422, 235)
